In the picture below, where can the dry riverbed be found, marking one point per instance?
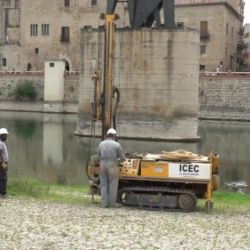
(31, 224)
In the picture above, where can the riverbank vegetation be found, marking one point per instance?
(25, 90)
(76, 194)
(44, 191)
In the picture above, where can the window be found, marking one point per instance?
(93, 2)
(204, 29)
(4, 62)
(227, 29)
(66, 3)
(36, 50)
(52, 65)
(29, 67)
(33, 29)
(45, 29)
(203, 49)
(17, 3)
(202, 67)
(65, 34)
(180, 25)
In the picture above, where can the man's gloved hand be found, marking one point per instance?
(4, 165)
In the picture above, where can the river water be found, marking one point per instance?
(43, 146)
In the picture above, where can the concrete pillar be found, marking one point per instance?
(54, 86)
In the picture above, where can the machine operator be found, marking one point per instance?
(109, 153)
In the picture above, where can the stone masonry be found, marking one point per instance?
(21, 50)
(224, 96)
(9, 81)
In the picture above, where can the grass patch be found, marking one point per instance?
(231, 202)
(232, 198)
(77, 194)
(25, 187)
(227, 202)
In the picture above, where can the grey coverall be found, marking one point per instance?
(109, 151)
(4, 158)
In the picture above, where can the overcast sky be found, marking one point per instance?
(247, 11)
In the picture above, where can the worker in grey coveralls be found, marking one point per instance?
(4, 158)
(109, 153)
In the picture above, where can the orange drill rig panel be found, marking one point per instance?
(157, 169)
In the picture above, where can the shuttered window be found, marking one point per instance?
(34, 29)
(65, 34)
(203, 28)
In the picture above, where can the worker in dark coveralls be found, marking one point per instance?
(109, 153)
(4, 158)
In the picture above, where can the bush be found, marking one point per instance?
(25, 90)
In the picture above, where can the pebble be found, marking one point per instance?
(32, 224)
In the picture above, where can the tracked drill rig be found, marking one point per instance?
(166, 181)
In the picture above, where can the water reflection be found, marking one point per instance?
(231, 140)
(43, 146)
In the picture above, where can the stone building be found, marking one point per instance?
(247, 46)
(9, 35)
(34, 31)
(221, 24)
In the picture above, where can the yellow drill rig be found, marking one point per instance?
(170, 180)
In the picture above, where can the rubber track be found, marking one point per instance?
(138, 189)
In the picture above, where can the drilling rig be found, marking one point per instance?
(166, 181)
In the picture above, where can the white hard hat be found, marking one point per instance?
(3, 131)
(111, 131)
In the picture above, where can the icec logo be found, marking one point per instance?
(189, 168)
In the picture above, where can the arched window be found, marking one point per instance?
(67, 68)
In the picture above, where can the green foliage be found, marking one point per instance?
(25, 90)
(232, 198)
(27, 187)
(224, 202)
(228, 202)
(25, 129)
(18, 186)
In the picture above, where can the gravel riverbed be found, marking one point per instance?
(32, 224)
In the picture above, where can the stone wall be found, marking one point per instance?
(11, 52)
(224, 96)
(71, 87)
(9, 81)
